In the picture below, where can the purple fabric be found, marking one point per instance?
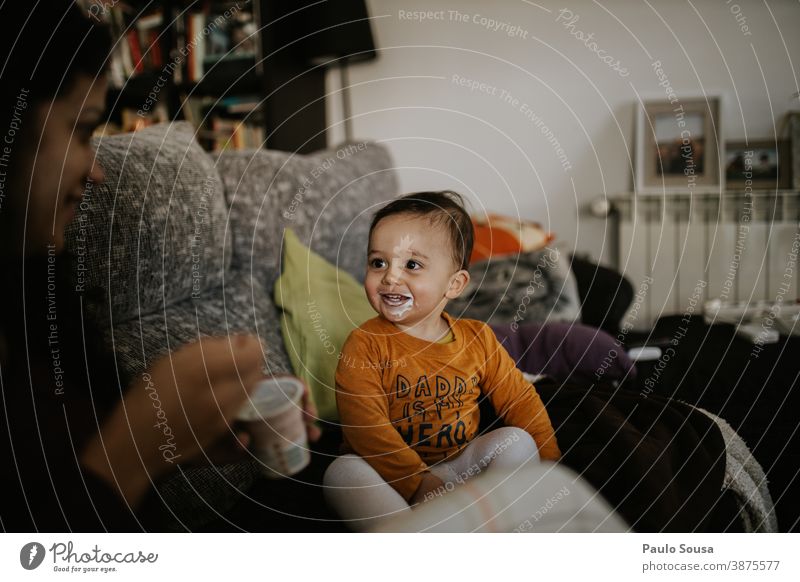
(565, 351)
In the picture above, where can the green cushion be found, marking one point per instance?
(321, 306)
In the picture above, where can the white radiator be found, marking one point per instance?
(679, 251)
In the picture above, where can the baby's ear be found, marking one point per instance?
(458, 282)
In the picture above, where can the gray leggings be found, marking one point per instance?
(362, 498)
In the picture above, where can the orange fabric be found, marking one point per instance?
(497, 235)
(405, 403)
(493, 242)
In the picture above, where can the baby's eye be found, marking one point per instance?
(377, 263)
(413, 265)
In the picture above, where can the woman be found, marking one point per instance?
(77, 451)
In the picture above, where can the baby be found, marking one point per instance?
(409, 381)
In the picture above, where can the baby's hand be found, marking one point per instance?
(430, 482)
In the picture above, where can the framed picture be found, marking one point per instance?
(794, 133)
(764, 163)
(678, 146)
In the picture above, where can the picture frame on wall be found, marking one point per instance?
(679, 146)
(765, 163)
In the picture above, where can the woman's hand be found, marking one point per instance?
(185, 402)
(230, 448)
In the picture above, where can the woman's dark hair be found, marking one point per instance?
(445, 208)
(44, 47)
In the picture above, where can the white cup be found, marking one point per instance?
(274, 418)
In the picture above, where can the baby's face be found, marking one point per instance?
(410, 270)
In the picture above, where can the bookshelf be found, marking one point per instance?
(219, 64)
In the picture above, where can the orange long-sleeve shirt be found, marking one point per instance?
(405, 403)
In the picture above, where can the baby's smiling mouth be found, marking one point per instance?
(395, 299)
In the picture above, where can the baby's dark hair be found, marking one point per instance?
(440, 208)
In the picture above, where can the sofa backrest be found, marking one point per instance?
(170, 221)
(154, 232)
(327, 198)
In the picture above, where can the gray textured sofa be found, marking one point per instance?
(177, 244)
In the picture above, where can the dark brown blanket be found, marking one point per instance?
(657, 461)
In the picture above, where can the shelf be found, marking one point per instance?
(228, 77)
(281, 84)
(135, 92)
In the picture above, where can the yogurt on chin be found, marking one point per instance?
(398, 304)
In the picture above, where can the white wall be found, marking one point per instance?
(443, 135)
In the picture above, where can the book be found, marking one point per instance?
(148, 28)
(196, 39)
(136, 51)
(240, 103)
(233, 134)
